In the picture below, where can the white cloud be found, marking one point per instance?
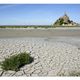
(2, 6)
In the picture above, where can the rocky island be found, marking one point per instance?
(65, 21)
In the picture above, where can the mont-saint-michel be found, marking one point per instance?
(39, 40)
(65, 21)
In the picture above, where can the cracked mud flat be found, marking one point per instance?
(50, 58)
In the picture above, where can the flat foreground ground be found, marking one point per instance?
(50, 58)
(56, 52)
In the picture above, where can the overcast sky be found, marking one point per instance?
(37, 14)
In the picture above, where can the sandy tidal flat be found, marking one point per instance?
(51, 58)
(24, 32)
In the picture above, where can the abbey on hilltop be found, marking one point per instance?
(65, 21)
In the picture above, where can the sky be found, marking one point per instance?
(37, 14)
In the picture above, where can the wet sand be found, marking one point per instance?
(67, 35)
(64, 32)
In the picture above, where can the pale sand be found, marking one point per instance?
(51, 58)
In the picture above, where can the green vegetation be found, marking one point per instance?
(59, 24)
(29, 26)
(15, 62)
(61, 21)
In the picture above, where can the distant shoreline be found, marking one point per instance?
(36, 26)
(42, 28)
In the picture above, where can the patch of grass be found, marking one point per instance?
(15, 62)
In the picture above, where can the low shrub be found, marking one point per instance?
(15, 62)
